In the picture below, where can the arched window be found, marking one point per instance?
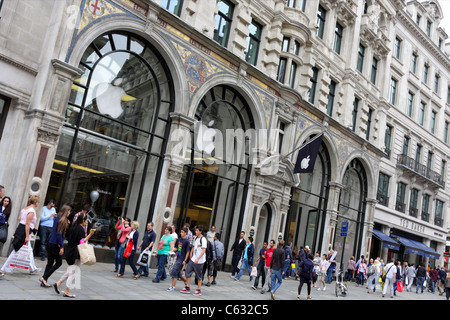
(113, 140)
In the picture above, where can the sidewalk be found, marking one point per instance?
(99, 282)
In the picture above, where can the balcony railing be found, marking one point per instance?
(400, 207)
(413, 212)
(382, 199)
(438, 221)
(425, 216)
(420, 169)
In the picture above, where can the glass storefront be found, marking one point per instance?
(352, 207)
(111, 148)
(306, 217)
(214, 183)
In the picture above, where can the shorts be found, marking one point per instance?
(176, 269)
(197, 268)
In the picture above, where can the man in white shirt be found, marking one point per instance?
(391, 271)
(198, 258)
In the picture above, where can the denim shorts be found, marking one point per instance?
(176, 268)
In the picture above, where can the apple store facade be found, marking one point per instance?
(117, 133)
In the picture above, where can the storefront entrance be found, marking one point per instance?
(214, 184)
(110, 151)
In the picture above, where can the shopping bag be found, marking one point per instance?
(406, 281)
(254, 272)
(399, 286)
(22, 258)
(128, 249)
(144, 258)
(87, 254)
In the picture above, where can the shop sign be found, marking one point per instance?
(412, 226)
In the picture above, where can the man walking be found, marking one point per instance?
(218, 251)
(46, 224)
(198, 258)
(268, 258)
(237, 248)
(421, 275)
(391, 271)
(260, 268)
(247, 259)
(277, 268)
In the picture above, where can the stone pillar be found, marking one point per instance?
(332, 212)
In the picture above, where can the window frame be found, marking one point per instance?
(321, 20)
(338, 35)
(4, 112)
(228, 19)
(254, 40)
(180, 7)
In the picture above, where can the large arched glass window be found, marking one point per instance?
(352, 208)
(215, 182)
(307, 212)
(113, 140)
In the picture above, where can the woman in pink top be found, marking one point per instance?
(27, 222)
(123, 229)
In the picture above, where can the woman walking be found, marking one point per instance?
(373, 275)
(165, 246)
(322, 272)
(75, 237)
(27, 221)
(362, 269)
(55, 244)
(306, 275)
(133, 236)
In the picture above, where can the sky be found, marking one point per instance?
(445, 23)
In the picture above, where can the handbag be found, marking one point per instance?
(3, 233)
(87, 254)
(128, 249)
(399, 286)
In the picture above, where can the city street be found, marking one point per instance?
(99, 282)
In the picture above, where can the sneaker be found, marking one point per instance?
(232, 277)
(185, 290)
(236, 279)
(208, 284)
(171, 289)
(214, 282)
(197, 293)
(319, 289)
(253, 287)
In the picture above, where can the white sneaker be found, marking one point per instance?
(319, 289)
(323, 289)
(171, 289)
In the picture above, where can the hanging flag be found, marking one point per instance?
(307, 156)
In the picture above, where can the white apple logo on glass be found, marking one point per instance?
(205, 138)
(109, 98)
(305, 163)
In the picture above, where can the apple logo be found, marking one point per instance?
(109, 98)
(305, 163)
(205, 137)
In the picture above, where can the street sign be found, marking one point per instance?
(344, 228)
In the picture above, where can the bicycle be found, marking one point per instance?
(341, 288)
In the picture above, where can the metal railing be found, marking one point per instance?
(420, 169)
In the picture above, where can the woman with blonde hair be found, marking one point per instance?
(27, 222)
(133, 236)
(55, 244)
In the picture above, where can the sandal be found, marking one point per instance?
(68, 295)
(44, 285)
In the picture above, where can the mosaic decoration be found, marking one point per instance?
(95, 11)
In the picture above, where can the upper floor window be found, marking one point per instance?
(292, 74)
(405, 145)
(436, 83)
(418, 18)
(428, 28)
(373, 75)
(426, 68)
(253, 41)
(296, 47)
(223, 22)
(285, 44)
(422, 113)
(368, 123)
(397, 47)
(331, 95)
(312, 90)
(433, 121)
(338, 32)
(387, 139)
(446, 132)
(321, 16)
(393, 91)
(409, 104)
(414, 62)
(281, 74)
(291, 3)
(173, 6)
(1, 2)
(355, 114)
(360, 63)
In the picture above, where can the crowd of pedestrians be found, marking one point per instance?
(196, 255)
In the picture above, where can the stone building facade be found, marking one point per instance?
(104, 103)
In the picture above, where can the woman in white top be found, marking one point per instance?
(323, 272)
(27, 222)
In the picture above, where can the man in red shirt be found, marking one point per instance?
(268, 258)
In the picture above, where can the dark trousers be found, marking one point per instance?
(262, 274)
(54, 260)
(234, 263)
(123, 260)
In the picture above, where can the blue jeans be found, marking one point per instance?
(287, 264)
(130, 262)
(44, 233)
(245, 265)
(118, 255)
(420, 281)
(161, 273)
(275, 277)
